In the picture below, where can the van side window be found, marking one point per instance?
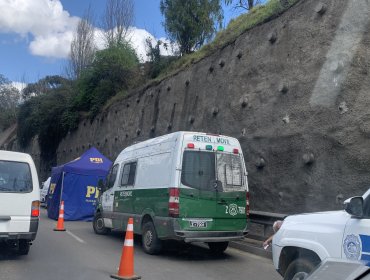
(128, 174)
(112, 176)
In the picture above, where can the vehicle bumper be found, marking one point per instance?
(276, 252)
(209, 236)
(30, 235)
(173, 230)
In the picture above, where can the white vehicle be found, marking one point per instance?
(303, 241)
(187, 186)
(19, 200)
(44, 191)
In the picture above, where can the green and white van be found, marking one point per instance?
(186, 186)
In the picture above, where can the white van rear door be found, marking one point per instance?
(16, 195)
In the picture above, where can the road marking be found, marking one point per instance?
(76, 237)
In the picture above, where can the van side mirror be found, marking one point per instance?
(101, 186)
(355, 206)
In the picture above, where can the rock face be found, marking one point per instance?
(294, 91)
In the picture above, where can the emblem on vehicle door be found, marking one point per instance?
(233, 209)
(352, 247)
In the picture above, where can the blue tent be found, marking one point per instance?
(76, 184)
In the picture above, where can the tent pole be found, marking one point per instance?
(61, 191)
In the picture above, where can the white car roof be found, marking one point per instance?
(15, 156)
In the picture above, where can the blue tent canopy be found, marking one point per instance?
(76, 184)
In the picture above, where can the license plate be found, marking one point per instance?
(198, 224)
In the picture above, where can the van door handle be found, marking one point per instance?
(222, 201)
(112, 194)
(5, 218)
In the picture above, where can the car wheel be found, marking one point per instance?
(218, 248)
(46, 202)
(23, 247)
(299, 269)
(152, 245)
(98, 224)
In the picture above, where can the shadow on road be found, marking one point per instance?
(8, 252)
(179, 250)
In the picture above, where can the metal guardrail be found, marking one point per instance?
(266, 219)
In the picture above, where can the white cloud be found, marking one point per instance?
(137, 39)
(52, 28)
(18, 85)
(49, 24)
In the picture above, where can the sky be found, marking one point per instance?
(35, 35)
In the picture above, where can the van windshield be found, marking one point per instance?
(15, 177)
(201, 169)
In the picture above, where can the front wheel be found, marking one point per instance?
(218, 248)
(152, 245)
(98, 225)
(23, 247)
(299, 269)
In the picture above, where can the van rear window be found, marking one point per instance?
(15, 177)
(200, 170)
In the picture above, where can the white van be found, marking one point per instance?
(19, 200)
(187, 186)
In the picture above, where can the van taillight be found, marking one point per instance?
(248, 207)
(35, 208)
(173, 202)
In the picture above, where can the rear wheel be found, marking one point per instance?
(152, 245)
(218, 247)
(23, 247)
(98, 224)
(299, 269)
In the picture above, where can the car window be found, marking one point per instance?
(128, 174)
(112, 176)
(15, 177)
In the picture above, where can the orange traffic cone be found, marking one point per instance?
(126, 266)
(60, 224)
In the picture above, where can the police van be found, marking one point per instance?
(186, 186)
(303, 241)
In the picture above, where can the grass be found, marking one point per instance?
(236, 27)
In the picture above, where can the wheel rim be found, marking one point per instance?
(99, 224)
(300, 276)
(148, 238)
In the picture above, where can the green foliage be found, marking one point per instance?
(9, 100)
(191, 23)
(157, 63)
(256, 16)
(44, 115)
(113, 70)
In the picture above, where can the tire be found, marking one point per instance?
(23, 247)
(299, 269)
(218, 248)
(98, 225)
(152, 245)
(46, 202)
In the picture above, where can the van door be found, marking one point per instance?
(231, 195)
(16, 196)
(108, 196)
(213, 191)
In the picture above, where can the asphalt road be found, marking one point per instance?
(80, 254)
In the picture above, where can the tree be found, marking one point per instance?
(191, 23)
(114, 69)
(44, 86)
(10, 98)
(117, 19)
(82, 47)
(243, 4)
